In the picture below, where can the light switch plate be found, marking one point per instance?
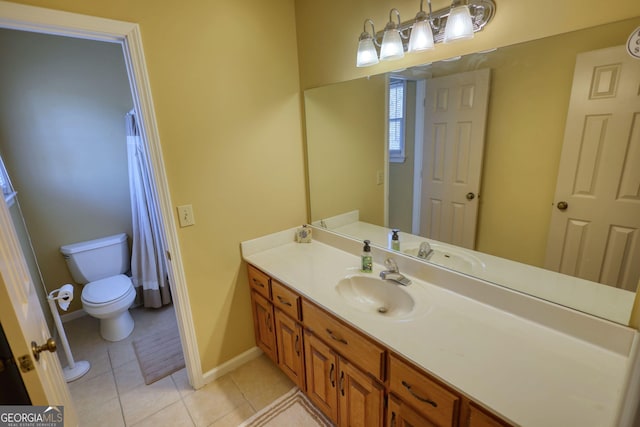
(185, 215)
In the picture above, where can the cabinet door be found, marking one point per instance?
(321, 365)
(264, 325)
(401, 415)
(361, 398)
(289, 340)
(478, 418)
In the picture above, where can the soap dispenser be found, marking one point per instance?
(367, 259)
(395, 240)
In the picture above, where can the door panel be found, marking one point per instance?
(455, 117)
(23, 321)
(596, 236)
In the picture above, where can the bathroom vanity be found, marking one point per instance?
(446, 350)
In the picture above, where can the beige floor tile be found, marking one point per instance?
(261, 381)
(182, 382)
(120, 353)
(89, 395)
(213, 401)
(107, 414)
(235, 417)
(128, 377)
(259, 370)
(173, 415)
(264, 394)
(145, 400)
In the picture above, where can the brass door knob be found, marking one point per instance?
(562, 205)
(50, 345)
(470, 196)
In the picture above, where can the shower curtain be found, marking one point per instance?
(148, 265)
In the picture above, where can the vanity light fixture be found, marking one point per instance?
(392, 46)
(458, 22)
(367, 54)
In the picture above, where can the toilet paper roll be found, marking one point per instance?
(65, 296)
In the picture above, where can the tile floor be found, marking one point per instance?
(113, 392)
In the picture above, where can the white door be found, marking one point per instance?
(23, 322)
(595, 219)
(455, 120)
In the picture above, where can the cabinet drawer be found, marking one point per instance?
(285, 299)
(417, 390)
(259, 281)
(350, 344)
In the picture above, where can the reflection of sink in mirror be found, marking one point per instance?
(453, 259)
(376, 296)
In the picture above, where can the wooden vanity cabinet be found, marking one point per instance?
(290, 348)
(343, 392)
(264, 325)
(399, 414)
(346, 374)
(418, 390)
(479, 418)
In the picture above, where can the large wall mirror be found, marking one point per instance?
(524, 164)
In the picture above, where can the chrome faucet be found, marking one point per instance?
(425, 251)
(393, 273)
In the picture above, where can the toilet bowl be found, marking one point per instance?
(109, 300)
(108, 293)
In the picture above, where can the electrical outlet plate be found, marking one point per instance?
(185, 215)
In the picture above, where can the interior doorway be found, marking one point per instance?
(127, 35)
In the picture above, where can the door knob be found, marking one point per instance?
(50, 345)
(470, 196)
(562, 205)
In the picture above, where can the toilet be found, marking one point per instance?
(108, 293)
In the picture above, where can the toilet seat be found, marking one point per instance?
(106, 290)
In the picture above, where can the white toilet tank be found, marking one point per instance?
(96, 259)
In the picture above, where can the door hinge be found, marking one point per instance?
(26, 363)
(169, 255)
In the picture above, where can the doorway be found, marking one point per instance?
(127, 36)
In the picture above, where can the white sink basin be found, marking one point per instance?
(374, 295)
(451, 258)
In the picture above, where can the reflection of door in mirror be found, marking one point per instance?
(454, 132)
(596, 218)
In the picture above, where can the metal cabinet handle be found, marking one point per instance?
(335, 338)
(420, 398)
(258, 283)
(562, 205)
(332, 377)
(393, 419)
(284, 301)
(269, 322)
(297, 345)
(342, 382)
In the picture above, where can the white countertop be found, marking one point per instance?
(607, 302)
(531, 374)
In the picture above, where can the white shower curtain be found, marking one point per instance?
(148, 267)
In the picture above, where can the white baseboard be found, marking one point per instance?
(73, 315)
(230, 365)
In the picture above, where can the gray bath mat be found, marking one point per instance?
(159, 354)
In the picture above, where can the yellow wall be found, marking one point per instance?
(345, 157)
(328, 30)
(226, 93)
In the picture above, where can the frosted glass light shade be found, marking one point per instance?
(421, 37)
(459, 24)
(391, 45)
(367, 54)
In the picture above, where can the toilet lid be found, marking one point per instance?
(106, 290)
